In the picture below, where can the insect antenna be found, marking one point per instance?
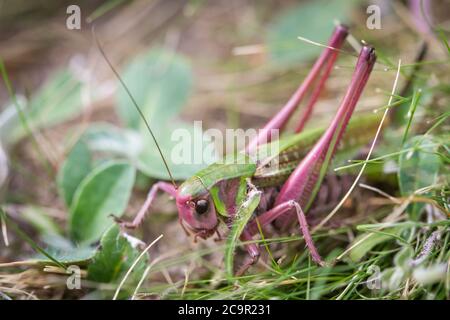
(314, 43)
(138, 109)
(354, 43)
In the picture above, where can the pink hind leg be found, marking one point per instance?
(315, 95)
(327, 58)
(307, 176)
(303, 183)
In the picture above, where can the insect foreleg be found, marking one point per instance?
(163, 186)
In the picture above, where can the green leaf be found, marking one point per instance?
(102, 138)
(418, 168)
(313, 20)
(80, 256)
(114, 257)
(75, 168)
(66, 251)
(37, 217)
(58, 100)
(36, 247)
(109, 139)
(160, 82)
(185, 153)
(74, 256)
(104, 191)
(366, 241)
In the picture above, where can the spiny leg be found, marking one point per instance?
(304, 181)
(280, 210)
(280, 120)
(163, 186)
(269, 216)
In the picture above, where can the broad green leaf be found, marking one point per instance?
(365, 242)
(185, 151)
(102, 138)
(6, 221)
(74, 169)
(74, 256)
(114, 257)
(313, 20)
(80, 256)
(58, 100)
(37, 217)
(104, 191)
(66, 251)
(109, 139)
(160, 82)
(418, 168)
(60, 251)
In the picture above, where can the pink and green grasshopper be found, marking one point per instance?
(277, 193)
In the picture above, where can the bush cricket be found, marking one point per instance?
(220, 191)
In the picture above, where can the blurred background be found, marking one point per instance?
(231, 64)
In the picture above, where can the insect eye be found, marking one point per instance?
(201, 206)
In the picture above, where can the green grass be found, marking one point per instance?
(300, 279)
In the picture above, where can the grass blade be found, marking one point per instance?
(30, 241)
